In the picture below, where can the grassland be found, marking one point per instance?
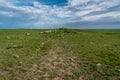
(60, 54)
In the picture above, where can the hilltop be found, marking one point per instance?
(60, 54)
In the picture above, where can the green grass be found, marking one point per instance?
(61, 54)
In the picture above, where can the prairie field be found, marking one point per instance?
(59, 54)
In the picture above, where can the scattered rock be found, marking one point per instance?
(119, 70)
(28, 34)
(43, 43)
(8, 37)
(14, 46)
(91, 42)
(41, 32)
(99, 64)
(48, 31)
(16, 56)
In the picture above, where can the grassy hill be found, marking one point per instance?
(61, 54)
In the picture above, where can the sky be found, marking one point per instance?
(44, 14)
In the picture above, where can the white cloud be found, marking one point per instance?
(101, 16)
(9, 14)
(40, 14)
(77, 2)
(6, 2)
(93, 4)
(85, 12)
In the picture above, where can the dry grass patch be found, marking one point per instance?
(58, 66)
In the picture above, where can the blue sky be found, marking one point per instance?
(82, 14)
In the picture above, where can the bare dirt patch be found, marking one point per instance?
(56, 65)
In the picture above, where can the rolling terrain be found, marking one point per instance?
(61, 54)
